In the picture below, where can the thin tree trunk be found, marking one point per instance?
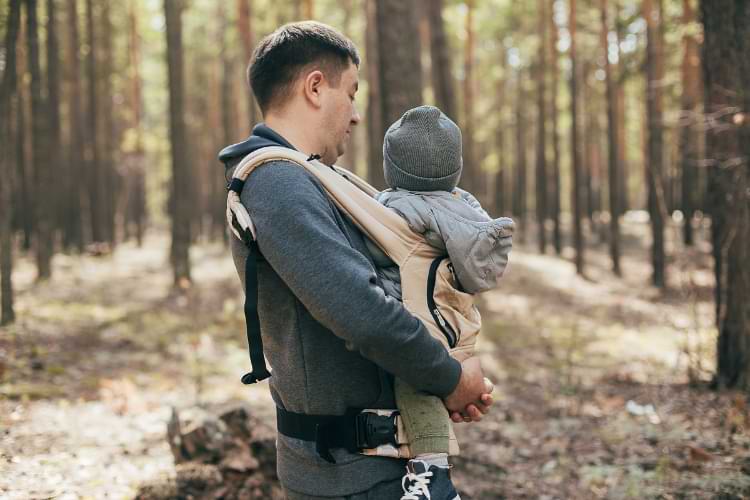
(500, 200)
(726, 71)
(443, 85)
(575, 147)
(8, 101)
(245, 24)
(541, 141)
(349, 159)
(53, 96)
(519, 197)
(614, 175)
(94, 163)
(110, 178)
(180, 196)
(689, 142)
(472, 170)
(374, 97)
(555, 188)
(622, 182)
(40, 149)
(76, 182)
(654, 79)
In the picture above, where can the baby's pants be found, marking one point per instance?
(425, 418)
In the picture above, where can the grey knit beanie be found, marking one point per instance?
(422, 151)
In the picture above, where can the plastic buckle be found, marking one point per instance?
(373, 430)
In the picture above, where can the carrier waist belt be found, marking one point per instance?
(354, 431)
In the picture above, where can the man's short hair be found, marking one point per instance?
(281, 56)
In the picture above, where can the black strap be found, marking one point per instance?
(445, 327)
(353, 431)
(254, 341)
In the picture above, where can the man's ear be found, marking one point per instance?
(313, 86)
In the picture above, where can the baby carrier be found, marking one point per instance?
(429, 286)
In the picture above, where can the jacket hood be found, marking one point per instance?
(262, 136)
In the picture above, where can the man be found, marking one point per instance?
(332, 337)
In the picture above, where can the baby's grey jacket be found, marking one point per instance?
(454, 222)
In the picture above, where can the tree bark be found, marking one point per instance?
(180, 195)
(689, 141)
(541, 140)
(74, 237)
(555, 188)
(7, 103)
(40, 149)
(622, 182)
(576, 202)
(93, 158)
(443, 85)
(247, 36)
(654, 111)
(471, 176)
(519, 196)
(613, 156)
(53, 96)
(392, 30)
(726, 72)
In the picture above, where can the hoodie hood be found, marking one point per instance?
(262, 136)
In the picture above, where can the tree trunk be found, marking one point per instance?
(94, 163)
(24, 168)
(654, 79)
(500, 199)
(541, 138)
(53, 96)
(555, 188)
(726, 71)
(8, 101)
(245, 25)
(613, 156)
(443, 85)
(349, 159)
(622, 182)
(76, 182)
(576, 202)
(392, 30)
(110, 177)
(180, 195)
(689, 141)
(471, 176)
(519, 196)
(40, 149)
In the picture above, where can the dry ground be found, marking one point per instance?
(592, 378)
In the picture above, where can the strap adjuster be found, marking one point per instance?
(372, 430)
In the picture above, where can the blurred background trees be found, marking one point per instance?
(112, 114)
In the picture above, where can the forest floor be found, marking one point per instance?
(601, 381)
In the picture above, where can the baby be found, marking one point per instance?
(422, 163)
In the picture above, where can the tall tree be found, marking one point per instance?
(654, 111)
(109, 142)
(689, 101)
(7, 98)
(392, 31)
(40, 148)
(247, 35)
(613, 156)
(541, 139)
(726, 72)
(576, 190)
(472, 170)
(621, 72)
(519, 196)
(93, 157)
(180, 195)
(554, 191)
(443, 84)
(74, 236)
(53, 98)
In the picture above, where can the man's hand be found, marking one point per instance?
(470, 399)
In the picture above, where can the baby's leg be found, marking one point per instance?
(425, 419)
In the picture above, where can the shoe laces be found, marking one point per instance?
(419, 486)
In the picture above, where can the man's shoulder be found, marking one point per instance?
(283, 178)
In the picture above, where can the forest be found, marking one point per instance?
(615, 133)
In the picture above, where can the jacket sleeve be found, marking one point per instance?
(300, 238)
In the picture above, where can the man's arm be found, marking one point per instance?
(300, 238)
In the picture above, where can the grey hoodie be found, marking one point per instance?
(454, 222)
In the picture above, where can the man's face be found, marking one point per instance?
(340, 114)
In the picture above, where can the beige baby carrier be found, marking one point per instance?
(429, 286)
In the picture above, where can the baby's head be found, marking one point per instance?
(422, 151)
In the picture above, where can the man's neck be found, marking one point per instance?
(302, 139)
